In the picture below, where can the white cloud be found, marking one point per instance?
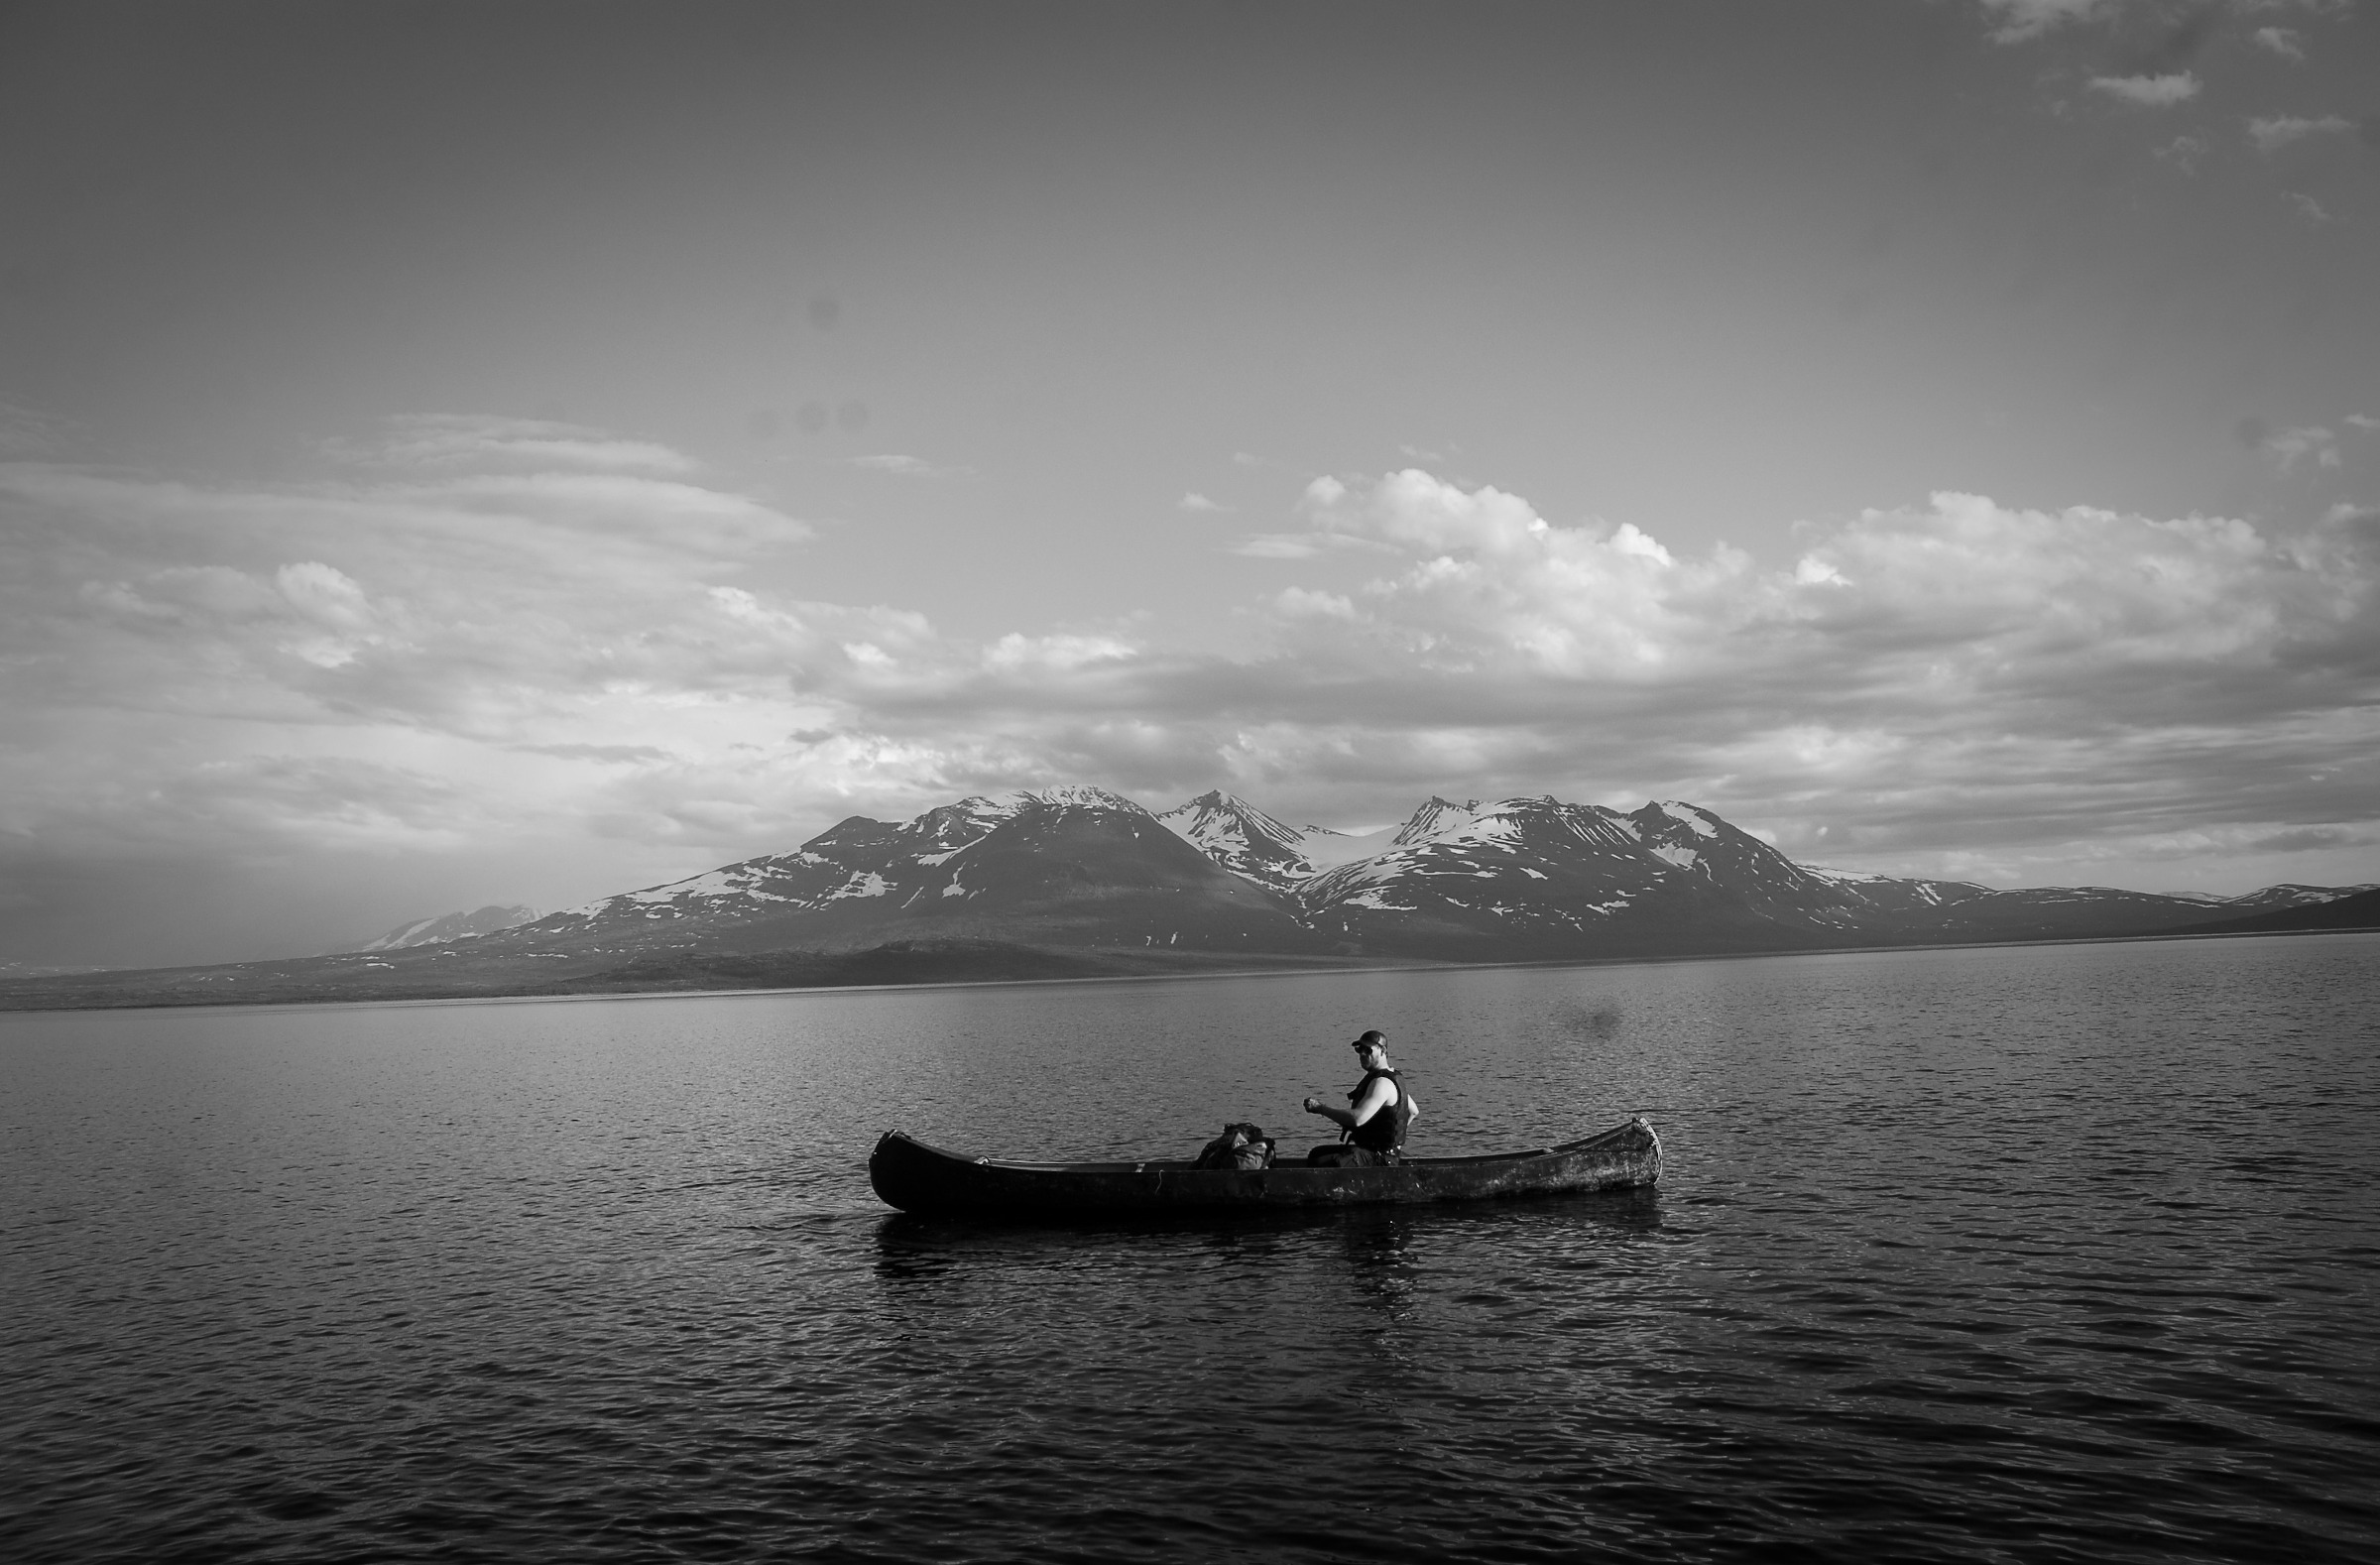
(325, 593)
(2308, 207)
(2285, 42)
(1276, 546)
(344, 621)
(1299, 603)
(1194, 501)
(2363, 421)
(469, 440)
(1562, 598)
(2149, 91)
(2271, 135)
(2290, 446)
(898, 465)
(1016, 652)
(1304, 545)
(1414, 510)
(2183, 153)
(2018, 20)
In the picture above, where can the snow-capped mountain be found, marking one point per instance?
(451, 927)
(857, 860)
(2291, 895)
(1072, 865)
(1080, 882)
(1527, 877)
(1507, 879)
(1247, 842)
(1244, 839)
(1536, 875)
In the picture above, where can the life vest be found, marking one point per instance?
(1384, 1132)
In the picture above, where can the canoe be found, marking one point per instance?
(924, 1179)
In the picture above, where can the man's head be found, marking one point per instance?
(1372, 1046)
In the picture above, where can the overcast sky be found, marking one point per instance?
(517, 453)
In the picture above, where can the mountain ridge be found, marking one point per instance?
(1013, 884)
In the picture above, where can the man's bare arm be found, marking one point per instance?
(1378, 1095)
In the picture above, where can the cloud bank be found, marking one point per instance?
(1998, 677)
(562, 657)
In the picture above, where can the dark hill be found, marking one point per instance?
(2360, 911)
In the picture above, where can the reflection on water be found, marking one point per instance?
(2033, 1253)
(1375, 1256)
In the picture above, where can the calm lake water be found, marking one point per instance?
(2041, 1254)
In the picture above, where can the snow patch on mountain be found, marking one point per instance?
(950, 828)
(1078, 796)
(1437, 816)
(1694, 820)
(1325, 849)
(448, 927)
(1490, 827)
(711, 883)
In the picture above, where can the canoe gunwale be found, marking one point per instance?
(1186, 1165)
(918, 1177)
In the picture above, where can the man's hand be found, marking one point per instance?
(1311, 1106)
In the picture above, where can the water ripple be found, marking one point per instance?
(2006, 1256)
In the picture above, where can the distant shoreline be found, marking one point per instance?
(16, 1001)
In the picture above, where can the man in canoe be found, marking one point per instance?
(1372, 1125)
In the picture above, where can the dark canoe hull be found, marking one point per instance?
(924, 1179)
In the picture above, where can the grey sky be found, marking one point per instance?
(513, 453)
